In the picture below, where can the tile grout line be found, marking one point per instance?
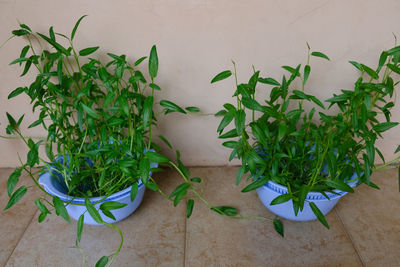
(20, 238)
(349, 236)
(184, 242)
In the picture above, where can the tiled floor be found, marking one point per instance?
(365, 230)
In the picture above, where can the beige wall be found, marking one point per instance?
(197, 39)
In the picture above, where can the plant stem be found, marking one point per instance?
(236, 82)
(386, 165)
(6, 41)
(111, 226)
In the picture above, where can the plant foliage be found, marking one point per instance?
(99, 118)
(293, 139)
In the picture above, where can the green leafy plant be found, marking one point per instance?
(99, 119)
(307, 150)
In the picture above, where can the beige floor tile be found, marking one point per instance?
(372, 218)
(154, 236)
(15, 220)
(213, 240)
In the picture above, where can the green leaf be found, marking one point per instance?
(20, 32)
(49, 150)
(193, 109)
(304, 189)
(144, 170)
(230, 134)
(19, 60)
(220, 113)
(16, 92)
(20, 120)
(196, 180)
(56, 45)
(76, 27)
(137, 62)
(60, 209)
(319, 54)
(24, 26)
(102, 262)
(337, 98)
(225, 210)
(189, 207)
(340, 185)
(240, 119)
(306, 73)
(239, 174)
(331, 162)
(109, 214)
(35, 123)
(252, 104)
(256, 184)
(291, 70)
(156, 157)
(171, 107)
(370, 151)
(370, 72)
(153, 62)
(179, 196)
(366, 169)
(26, 68)
(384, 126)
(24, 51)
(152, 186)
(180, 188)
(356, 64)
(155, 86)
(258, 133)
(380, 154)
(270, 81)
(165, 141)
(124, 105)
(11, 121)
(281, 199)
(397, 149)
(394, 68)
(51, 34)
(42, 217)
(319, 214)
(93, 212)
(394, 50)
(90, 111)
(112, 205)
(79, 228)
(226, 120)
(382, 60)
(41, 206)
(278, 226)
(221, 76)
(88, 51)
(134, 191)
(60, 71)
(32, 156)
(299, 95)
(317, 101)
(147, 110)
(13, 180)
(114, 121)
(18, 194)
(282, 129)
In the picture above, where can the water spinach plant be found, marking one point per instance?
(99, 119)
(295, 140)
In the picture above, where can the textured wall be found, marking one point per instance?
(197, 39)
